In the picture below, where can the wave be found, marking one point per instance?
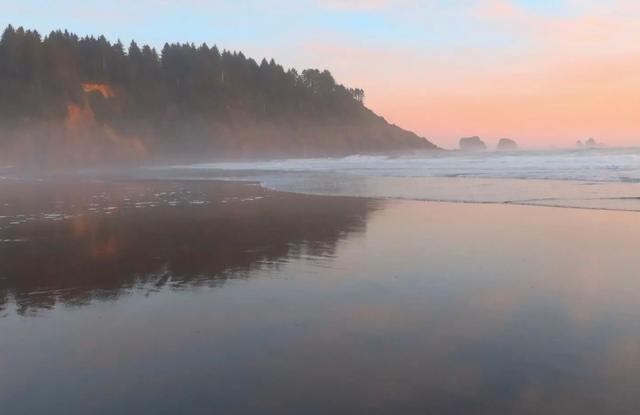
(609, 165)
(591, 179)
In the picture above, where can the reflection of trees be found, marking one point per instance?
(99, 256)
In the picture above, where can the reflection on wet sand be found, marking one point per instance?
(329, 305)
(74, 242)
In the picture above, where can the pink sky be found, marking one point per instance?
(546, 80)
(545, 72)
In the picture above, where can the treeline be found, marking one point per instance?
(185, 98)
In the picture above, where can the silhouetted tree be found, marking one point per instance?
(174, 97)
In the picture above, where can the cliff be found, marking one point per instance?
(65, 99)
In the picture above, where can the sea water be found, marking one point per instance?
(586, 178)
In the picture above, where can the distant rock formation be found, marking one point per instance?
(472, 144)
(592, 143)
(507, 144)
(589, 143)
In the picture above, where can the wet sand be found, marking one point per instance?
(211, 297)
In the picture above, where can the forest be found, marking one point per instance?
(70, 99)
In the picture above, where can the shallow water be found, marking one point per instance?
(598, 164)
(251, 301)
(592, 179)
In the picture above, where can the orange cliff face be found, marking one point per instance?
(83, 116)
(79, 116)
(105, 89)
(90, 138)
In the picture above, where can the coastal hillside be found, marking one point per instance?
(66, 99)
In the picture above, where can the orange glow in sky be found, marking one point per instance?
(544, 72)
(544, 78)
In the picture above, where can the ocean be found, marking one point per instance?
(590, 178)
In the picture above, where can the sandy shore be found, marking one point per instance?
(213, 297)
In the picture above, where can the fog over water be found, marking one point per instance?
(593, 178)
(592, 164)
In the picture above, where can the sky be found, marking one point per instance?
(546, 73)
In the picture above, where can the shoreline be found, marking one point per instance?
(233, 178)
(331, 295)
(93, 230)
(528, 202)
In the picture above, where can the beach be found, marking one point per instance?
(327, 207)
(202, 296)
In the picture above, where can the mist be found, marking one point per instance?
(70, 100)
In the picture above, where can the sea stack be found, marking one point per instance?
(472, 144)
(507, 144)
(591, 143)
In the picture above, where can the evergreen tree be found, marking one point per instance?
(174, 97)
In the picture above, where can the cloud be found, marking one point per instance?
(361, 5)
(502, 10)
